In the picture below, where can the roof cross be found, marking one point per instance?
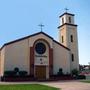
(41, 26)
(66, 9)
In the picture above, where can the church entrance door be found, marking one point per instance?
(40, 72)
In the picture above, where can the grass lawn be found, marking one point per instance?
(26, 87)
(86, 81)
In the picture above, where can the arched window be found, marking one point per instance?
(72, 56)
(71, 38)
(69, 19)
(62, 20)
(62, 39)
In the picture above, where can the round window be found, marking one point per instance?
(40, 48)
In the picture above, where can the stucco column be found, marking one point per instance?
(50, 61)
(32, 61)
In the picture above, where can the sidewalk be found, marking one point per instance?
(69, 85)
(64, 85)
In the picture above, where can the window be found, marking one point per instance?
(62, 39)
(62, 20)
(71, 38)
(69, 19)
(72, 56)
(40, 48)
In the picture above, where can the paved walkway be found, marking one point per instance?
(64, 85)
(69, 85)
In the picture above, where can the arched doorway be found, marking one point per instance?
(41, 60)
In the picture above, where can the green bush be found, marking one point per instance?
(9, 73)
(75, 72)
(22, 73)
(60, 72)
(16, 69)
(81, 77)
(15, 72)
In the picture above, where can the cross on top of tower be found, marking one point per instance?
(41, 26)
(66, 9)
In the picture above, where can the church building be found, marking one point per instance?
(40, 55)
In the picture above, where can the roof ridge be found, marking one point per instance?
(25, 38)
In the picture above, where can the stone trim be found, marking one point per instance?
(68, 24)
(50, 61)
(32, 61)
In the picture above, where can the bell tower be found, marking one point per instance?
(68, 37)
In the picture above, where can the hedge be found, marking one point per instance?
(9, 73)
(22, 73)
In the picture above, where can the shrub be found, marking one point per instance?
(75, 72)
(9, 73)
(22, 73)
(60, 72)
(16, 69)
(81, 77)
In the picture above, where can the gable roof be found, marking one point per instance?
(66, 14)
(32, 36)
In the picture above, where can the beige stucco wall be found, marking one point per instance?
(73, 46)
(66, 31)
(2, 59)
(61, 59)
(63, 32)
(17, 55)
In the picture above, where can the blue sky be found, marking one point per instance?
(19, 18)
